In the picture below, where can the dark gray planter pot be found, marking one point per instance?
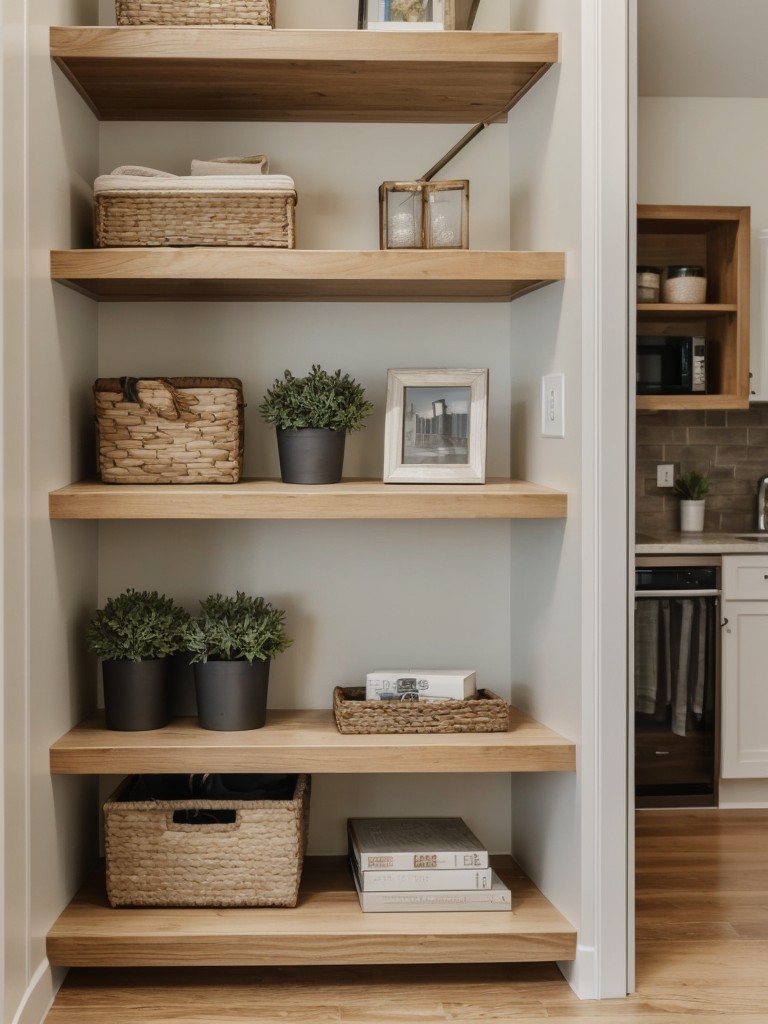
(231, 695)
(310, 456)
(137, 694)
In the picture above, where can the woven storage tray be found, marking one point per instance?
(182, 430)
(254, 862)
(355, 714)
(195, 12)
(124, 218)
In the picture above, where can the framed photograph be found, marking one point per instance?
(393, 15)
(436, 425)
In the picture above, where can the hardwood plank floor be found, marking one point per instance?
(702, 949)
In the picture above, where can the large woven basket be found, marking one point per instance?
(254, 861)
(126, 218)
(355, 714)
(169, 430)
(196, 12)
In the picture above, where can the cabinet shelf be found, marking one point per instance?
(304, 274)
(684, 311)
(326, 927)
(249, 74)
(307, 741)
(271, 499)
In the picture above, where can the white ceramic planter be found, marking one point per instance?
(692, 516)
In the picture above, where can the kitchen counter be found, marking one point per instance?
(700, 543)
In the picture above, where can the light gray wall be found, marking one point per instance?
(49, 341)
(365, 595)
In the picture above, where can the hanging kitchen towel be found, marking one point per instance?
(646, 655)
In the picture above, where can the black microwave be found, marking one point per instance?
(671, 365)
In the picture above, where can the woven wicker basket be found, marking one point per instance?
(196, 12)
(126, 218)
(355, 714)
(255, 861)
(171, 430)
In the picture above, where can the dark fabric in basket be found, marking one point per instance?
(213, 786)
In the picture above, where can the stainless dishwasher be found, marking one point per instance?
(677, 680)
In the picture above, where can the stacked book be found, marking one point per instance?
(413, 864)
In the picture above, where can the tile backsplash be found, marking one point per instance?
(731, 448)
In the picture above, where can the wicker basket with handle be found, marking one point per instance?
(169, 430)
(160, 854)
(260, 13)
(355, 714)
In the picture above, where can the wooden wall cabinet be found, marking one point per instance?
(717, 238)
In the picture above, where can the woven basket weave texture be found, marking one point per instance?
(255, 862)
(485, 713)
(195, 12)
(259, 219)
(182, 430)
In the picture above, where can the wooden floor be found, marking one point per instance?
(702, 955)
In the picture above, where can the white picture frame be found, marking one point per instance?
(435, 429)
(404, 15)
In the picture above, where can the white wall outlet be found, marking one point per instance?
(665, 476)
(553, 405)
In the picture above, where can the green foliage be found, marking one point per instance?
(320, 400)
(236, 628)
(692, 486)
(136, 625)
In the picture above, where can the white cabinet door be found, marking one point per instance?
(744, 719)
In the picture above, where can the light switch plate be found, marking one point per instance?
(665, 475)
(553, 405)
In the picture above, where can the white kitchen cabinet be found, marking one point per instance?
(745, 667)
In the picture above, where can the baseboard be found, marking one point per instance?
(743, 794)
(39, 994)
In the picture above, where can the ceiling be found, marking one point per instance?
(703, 48)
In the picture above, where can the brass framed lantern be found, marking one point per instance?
(424, 215)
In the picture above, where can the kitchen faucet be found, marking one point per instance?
(762, 483)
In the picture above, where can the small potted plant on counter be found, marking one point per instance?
(692, 488)
(134, 636)
(231, 644)
(312, 416)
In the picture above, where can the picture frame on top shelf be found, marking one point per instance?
(435, 429)
(406, 15)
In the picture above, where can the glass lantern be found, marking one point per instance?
(424, 214)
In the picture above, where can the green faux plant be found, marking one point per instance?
(321, 400)
(235, 628)
(137, 625)
(692, 486)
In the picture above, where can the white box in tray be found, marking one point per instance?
(421, 684)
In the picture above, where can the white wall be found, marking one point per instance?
(569, 190)
(49, 156)
(711, 151)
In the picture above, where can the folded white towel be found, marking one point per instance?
(192, 184)
(231, 165)
(142, 172)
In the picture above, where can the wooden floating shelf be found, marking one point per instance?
(271, 499)
(249, 74)
(307, 741)
(326, 927)
(460, 275)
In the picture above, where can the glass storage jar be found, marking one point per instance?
(685, 284)
(648, 284)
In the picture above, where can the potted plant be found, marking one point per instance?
(134, 636)
(312, 416)
(231, 644)
(692, 487)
